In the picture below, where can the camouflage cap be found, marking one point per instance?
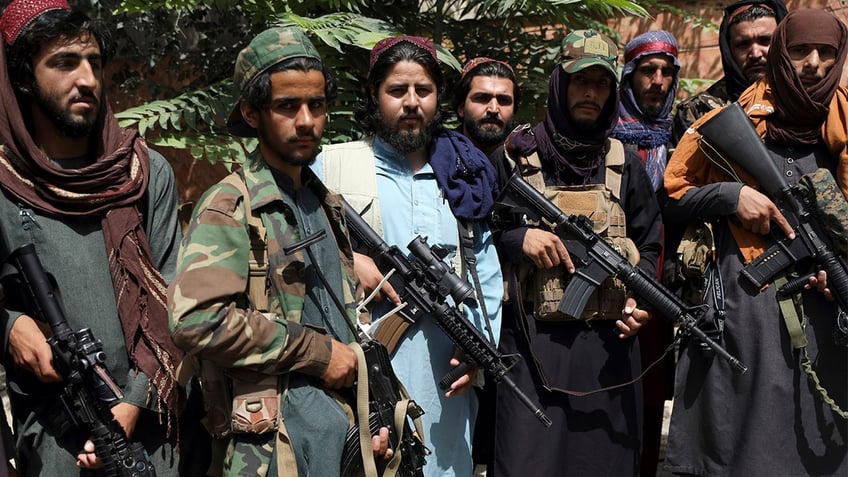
(584, 48)
(264, 51)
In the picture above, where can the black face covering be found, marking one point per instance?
(737, 81)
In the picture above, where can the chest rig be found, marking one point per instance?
(601, 203)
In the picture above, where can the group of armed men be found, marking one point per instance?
(236, 340)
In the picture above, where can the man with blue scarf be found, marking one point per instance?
(412, 177)
(647, 91)
(648, 88)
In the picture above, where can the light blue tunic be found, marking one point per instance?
(412, 204)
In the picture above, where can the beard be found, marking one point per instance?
(61, 116)
(486, 136)
(651, 110)
(406, 142)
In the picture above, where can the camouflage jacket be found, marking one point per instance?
(692, 108)
(210, 315)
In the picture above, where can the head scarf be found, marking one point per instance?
(733, 74)
(649, 133)
(110, 188)
(559, 139)
(800, 111)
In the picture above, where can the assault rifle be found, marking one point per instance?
(88, 389)
(595, 260)
(384, 396)
(730, 134)
(424, 284)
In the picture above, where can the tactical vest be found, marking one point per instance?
(349, 169)
(601, 203)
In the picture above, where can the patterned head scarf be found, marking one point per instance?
(482, 60)
(649, 133)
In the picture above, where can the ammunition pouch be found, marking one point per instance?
(239, 406)
(547, 286)
(256, 407)
(694, 256)
(548, 289)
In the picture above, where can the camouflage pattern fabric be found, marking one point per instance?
(830, 207)
(691, 109)
(210, 314)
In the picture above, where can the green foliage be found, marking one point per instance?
(691, 86)
(203, 38)
(194, 121)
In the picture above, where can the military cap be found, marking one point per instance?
(264, 51)
(584, 48)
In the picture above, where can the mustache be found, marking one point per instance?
(297, 137)
(589, 103)
(87, 95)
(810, 74)
(492, 119)
(752, 63)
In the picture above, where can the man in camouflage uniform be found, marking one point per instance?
(277, 337)
(744, 38)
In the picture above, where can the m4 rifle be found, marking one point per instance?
(596, 260)
(88, 390)
(424, 284)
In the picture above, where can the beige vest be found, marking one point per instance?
(602, 204)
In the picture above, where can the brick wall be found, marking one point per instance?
(699, 51)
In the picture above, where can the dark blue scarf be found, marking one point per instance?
(464, 173)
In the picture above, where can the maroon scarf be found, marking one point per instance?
(112, 188)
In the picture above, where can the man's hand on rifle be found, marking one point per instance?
(819, 282)
(341, 370)
(546, 250)
(127, 416)
(380, 443)
(632, 318)
(369, 278)
(464, 382)
(756, 211)
(29, 349)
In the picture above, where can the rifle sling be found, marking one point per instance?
(466, 251)
(363, 415)
(792, 310)
(546, 383)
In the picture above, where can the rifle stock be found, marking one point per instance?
(596, 260)
(731, 134)
(425, 286)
